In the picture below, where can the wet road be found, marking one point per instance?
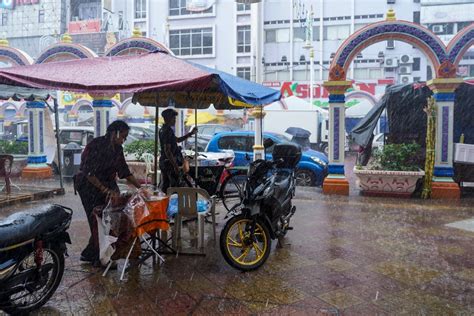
(346, 255)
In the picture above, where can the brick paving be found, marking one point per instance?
(346, 256)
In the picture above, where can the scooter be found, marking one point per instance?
(32, 250)
(265, 212)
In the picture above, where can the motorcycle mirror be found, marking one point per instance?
(268, 142)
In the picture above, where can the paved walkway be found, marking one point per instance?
(346, 256)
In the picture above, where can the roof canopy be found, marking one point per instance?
(20, 93)
(157, 79)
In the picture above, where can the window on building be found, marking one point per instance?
(358, 26)
(4, 18)
(278, 36)
(416, 64)
(243, 72)
(462, 25)
(283, 35)
(471, 71)
(375, 73)
(40, 16)
(270, 36)
(416, 17)
(429, 73)
(243, 6)
(336, 32)
(299, 34)
(178, 7)
(140, 9)
(361, 73)
(243, 39)
(191, 42)
(315, 33)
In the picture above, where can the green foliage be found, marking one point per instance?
(139, 147)
(397, 157)
(13, 148)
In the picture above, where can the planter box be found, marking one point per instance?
(387, 183)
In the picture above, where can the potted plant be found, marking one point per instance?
(19, 151)
(134, 155)
(393, 171)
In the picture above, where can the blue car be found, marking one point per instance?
(312, 168)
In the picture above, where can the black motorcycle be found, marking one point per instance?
(265, 211)
(32, 250)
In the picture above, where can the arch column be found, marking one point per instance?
(443, 185)
(102, 104)
(37, 167)
(258, 149)
(336, 182)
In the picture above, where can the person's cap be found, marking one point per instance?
(168, 113)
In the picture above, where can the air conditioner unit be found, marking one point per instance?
(391, 62)
(406, 79)
(405, 70)
(406, 59)
(438, 28)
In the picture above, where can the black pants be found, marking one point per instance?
(90, 198)
(169, 177)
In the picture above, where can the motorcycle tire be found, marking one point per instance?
(232, 190)
(48, 289)
(235, 245)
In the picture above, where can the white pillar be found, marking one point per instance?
(37, 167)
(335, 182)
(258, 149)
(101, 108)
(443, 185)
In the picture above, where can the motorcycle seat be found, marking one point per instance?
(282, 178)
(23, 226)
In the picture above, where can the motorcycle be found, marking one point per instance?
(32, 250)
(265, 212)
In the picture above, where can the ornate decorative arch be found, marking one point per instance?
(64, 51)
(404, 31)
(460, 44)
(135, 46)
(81, 102)
(125, 105)
(362, 95)
(21, 111)
(6, 105)
(15, 56)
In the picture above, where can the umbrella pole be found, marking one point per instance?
(195, 145)
(155, 153)
(58, 145)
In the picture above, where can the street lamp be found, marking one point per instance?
(309, 45)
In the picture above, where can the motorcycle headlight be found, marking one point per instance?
(318, 161)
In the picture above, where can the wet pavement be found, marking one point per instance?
(346, 256)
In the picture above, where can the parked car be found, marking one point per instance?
(205, 134)
(378, 141)
(141, 132)
(312, 168)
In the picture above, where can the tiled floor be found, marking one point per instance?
(345, 256)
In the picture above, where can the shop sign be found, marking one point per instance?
(11, 4)
(301, 89)
(86, 26)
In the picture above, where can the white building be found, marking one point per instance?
(32, 25)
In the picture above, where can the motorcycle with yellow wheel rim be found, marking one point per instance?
(245, 242)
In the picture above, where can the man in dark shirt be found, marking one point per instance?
(101, 163)
(171, 158)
